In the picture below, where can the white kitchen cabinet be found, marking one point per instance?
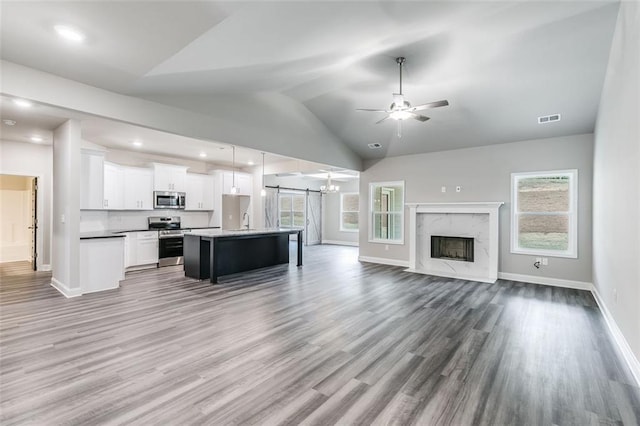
(169, 177)
(141, 248)
(92, 180)
(200, 190)
(113, 187)
(138, 188)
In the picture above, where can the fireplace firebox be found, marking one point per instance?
(452, 248)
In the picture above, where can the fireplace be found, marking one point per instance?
(452, 248)
(478, 221)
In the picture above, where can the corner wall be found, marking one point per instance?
(484, 173)
(66, 209)
(616, 183)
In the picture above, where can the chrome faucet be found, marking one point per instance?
(245, 214)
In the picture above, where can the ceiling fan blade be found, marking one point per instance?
(419, 117)
(435, 104)
(374, 110)
(380, 121)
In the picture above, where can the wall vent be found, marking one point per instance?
(548, 118)
(375, 145)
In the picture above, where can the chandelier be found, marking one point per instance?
(329, 187)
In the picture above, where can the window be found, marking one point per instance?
(386, 221)
(291, 207)
(544, 213)
(349, 211)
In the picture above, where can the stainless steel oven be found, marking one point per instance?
(170, 239)
(168, 200)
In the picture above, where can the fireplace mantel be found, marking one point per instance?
(471, 219)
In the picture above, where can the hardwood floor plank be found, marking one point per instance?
(332, 342)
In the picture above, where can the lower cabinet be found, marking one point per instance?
(141, 249)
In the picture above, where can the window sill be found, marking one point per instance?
(545, 253)
(393, 242)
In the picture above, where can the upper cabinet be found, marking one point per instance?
(168, 177)
(113, 187)
(138, 188)
(92, 182)
(200, 192)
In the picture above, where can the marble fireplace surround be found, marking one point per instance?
(477, 220)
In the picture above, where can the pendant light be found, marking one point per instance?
(234, 189)
(263, 191)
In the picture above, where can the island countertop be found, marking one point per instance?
(220, 233)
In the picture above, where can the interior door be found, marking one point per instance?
(313, 229)
(34, 223)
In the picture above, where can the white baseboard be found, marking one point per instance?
(66, 292)
(384, 261)
(45, 268)
(627, 353)
(556, 282)
(341, 243)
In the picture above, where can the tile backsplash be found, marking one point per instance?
(96, 220)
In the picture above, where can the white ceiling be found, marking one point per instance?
(499, 64)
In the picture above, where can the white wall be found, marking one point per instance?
(331, 216)
(616, 181)
(26, 159)
(279, 125)
(15, 218)
(66, 208)
(485, 175)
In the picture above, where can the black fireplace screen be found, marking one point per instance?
(452, 248)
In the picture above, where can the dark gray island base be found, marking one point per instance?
(210, 254)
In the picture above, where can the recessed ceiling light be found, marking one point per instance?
(203, 154)
(22, 103)
(136, 143)
(251, 163)
(69, 33)
(9, 122)
(36, 139)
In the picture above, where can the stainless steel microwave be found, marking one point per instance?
(168, 200)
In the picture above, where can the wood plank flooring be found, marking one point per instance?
(333, 342)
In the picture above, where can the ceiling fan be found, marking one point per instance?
(401, 109)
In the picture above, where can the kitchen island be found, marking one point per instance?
(211, 254)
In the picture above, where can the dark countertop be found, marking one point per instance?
(99, 234)
(119, 233)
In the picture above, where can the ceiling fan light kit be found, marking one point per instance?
(401, 109)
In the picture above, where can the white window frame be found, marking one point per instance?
(572, 250)
(371, 214)
(342, 194)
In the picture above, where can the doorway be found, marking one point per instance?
(301, 209)
(18, 219)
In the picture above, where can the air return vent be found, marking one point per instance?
(548, 118)
(375, 145)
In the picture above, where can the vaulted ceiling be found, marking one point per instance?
(499, 64)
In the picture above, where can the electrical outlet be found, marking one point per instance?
(615, 295)
(458, 188)
(443, 189)
(545, 261)
(386, 246)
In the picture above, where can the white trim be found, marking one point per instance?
(371, 212)
(341, 243)
(572, 214)
(383, 261)
(66, 292)
(45, 268)
(555, 282)
(618, 337)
